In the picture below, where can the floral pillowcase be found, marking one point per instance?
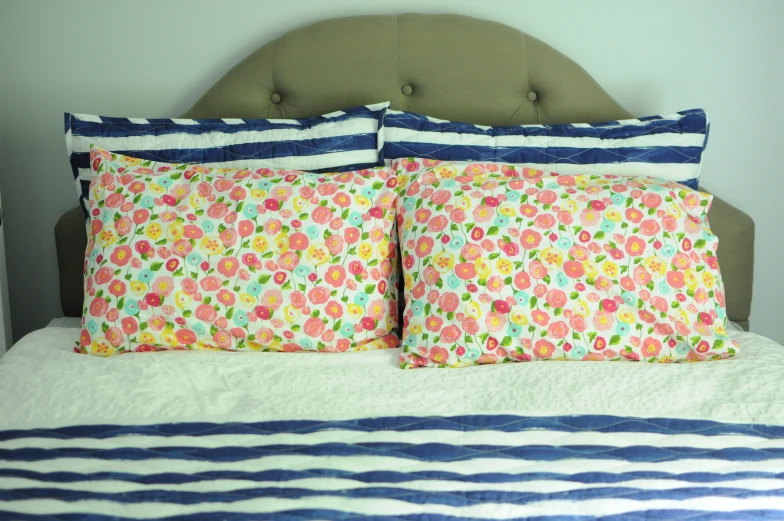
(188, 257)
(505, 263)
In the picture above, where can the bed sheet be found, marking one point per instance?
(241, 436)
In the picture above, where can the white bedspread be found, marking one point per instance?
(43, 383)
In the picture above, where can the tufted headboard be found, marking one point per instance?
(447, 66)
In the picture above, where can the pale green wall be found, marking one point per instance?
(154, 58)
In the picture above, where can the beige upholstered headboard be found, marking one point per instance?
(447, 66)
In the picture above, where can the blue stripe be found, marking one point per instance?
(465, 423)
(305, 514)
(539, 155)
(464, 498)
(380, 476)
(693, 123)
(417, 452)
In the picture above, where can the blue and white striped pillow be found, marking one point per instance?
(341, 141)
(668, 147)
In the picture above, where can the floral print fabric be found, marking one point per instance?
(505, 263)
(188, 257)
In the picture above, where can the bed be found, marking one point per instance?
(213, 435)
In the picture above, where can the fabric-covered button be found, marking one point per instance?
(275, 97)
(406, 90)
(532, 96)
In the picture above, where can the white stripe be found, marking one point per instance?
(391, 507)
(183, 121)
(140, 121)
(233, 121)
(397, 135)
(335, 114)
(490, 437)
(218, 139)
(332, 484)
(88, 117)
(383, 463)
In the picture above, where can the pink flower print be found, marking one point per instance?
(635, 246)
(156, 323)
(440, 197)
(627, 283)
(334, 224)
(495, 284)
(546, 197)
(650, 346)
(437, 224)
(430, 276)
(522, 280)
(210, 283)
(634, 215)
(675, 279)
(121, 256)
(151, 299)
(433, 323)
(540, 317)
(470, 326)
(162, 285)
(313, 327)
(681, 261)
(609, 305)
(543, 349)
(334, 243)
(272, 299)
(103, 275)
(544, 221)
(495, 322)
(327, 188)
(578, 323)
(530, 239)
(229, 237)
(659, 304)
(98, 307)
(558, 330)
(438, 355)
(424, 246)
(351, 235)
(600, 343)
(590, 217)
(172, 264)
(222, 339)
(651, 200)
(646, 316)
(663, 329)
(603, 321)
(422, 215)
(450, 334)
(117, 288)
(217, 210)
(649, 227)
(705, 318)
(556, 298)
(333, 309)
(501, 306)
(228, 266)
(465, 270)
(129, 325)
(483, 214)
(335, 276)
(537, 270)
(288, 261)
(279, 278)
(598, 205)
(321, 215)
(114, 336)
(318, 295)
(114, 200)
(190, 231)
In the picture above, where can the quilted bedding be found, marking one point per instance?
(205, 435)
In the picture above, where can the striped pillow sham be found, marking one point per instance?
(668, 147)
(340, 141)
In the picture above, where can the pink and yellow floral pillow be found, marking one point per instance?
(505, 263)
(185, 257)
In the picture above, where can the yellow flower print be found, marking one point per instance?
(174, 231)
(402, 180)
(504, 266)
(581, 308)
(138, 287)
(570, 206)
(408, 282)
(291, 314)
(408, 222)
(354, 311)
(365, 251)
(674, 211)
(624, 315)
(656, 266)
(518, 316)
(610, 269)
(551, 258)
(182, 299)
(211, 245)
(362, 201)
(463, 203)
(507, 209)
(130, 161)
(443, 262)
(318, 253)
(690, 278)
(612, 214)
(259, 195)
(260, 243)
(101, 347)
(415, 328)
(382, 250)
(153, 231)
(707, 279)
(147, 338)
(157, 189)
(684, 316)
(473, 310)
(197, 201)
(207, 345)
(169, 338)
(247, 301)
(253, 346)
(483, 268)
(107, 237)
(582, 180)
(281, 243)
(719, 329)
(591, 269)
(445, 171)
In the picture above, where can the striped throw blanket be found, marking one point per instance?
(397, 468)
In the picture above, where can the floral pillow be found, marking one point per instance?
(505, 263)
(186, 257)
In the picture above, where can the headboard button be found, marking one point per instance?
(406, 90)
(275, 98)
(532, 96)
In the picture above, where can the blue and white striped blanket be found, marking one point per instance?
(204, 435)
(400, 467)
